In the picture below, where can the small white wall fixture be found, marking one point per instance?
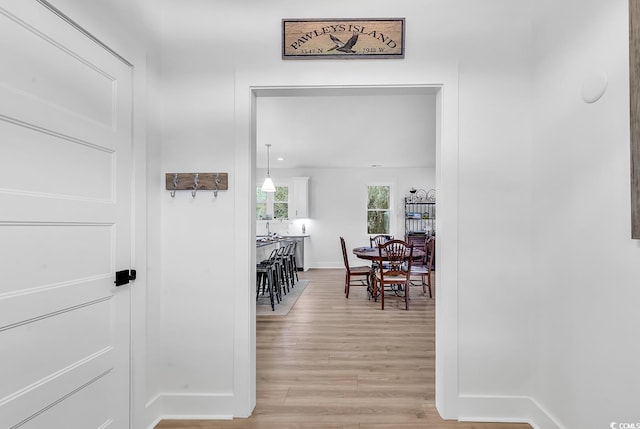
(249, 86)
(594, 86)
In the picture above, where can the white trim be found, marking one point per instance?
(244, 322)
(506, 409)
(447, 247)
(183, 417)
(82, 30)
(251, 83)
(153, 410)
(191, 406)
(139, 254)
(155, 423)
(541, 418)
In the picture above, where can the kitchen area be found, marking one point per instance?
(270, 240)
(282, 214)
(321, 171)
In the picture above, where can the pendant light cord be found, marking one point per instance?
(268, 172)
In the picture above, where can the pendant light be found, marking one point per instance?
(268, 186)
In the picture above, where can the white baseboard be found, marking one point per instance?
(328, 265)
(505, 409)
(155, 422)
(189, 406)
(499, 409)
(153, 411)
(543, 418)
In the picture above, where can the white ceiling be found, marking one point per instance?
(346, 127)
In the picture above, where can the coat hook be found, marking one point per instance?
(196, 182)
(216, 185)
(175, 185)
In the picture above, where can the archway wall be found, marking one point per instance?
(211, 62)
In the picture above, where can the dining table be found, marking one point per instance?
(373, 254)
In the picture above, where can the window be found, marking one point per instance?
(379, 210)
(275, 205)
(281, 202)
(261, 203)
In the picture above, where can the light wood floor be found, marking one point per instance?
(339, 363)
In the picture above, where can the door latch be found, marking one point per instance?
(123, 277)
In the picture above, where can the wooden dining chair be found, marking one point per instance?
(358, 273)
(424, 267)
(395, 275)
(376, 240)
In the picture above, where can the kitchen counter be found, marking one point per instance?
(262, 241)
(265, 245)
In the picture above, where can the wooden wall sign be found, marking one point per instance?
(634, 97)
(342, 38)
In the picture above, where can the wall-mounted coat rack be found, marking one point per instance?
(195, 182)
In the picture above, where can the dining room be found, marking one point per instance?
(393, 148)
(388, 139)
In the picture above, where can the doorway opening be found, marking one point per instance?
(442, 391)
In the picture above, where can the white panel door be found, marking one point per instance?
(65, 224)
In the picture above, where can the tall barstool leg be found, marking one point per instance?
(282, 270)
(294, 264)
(276, 282)
(271, 292)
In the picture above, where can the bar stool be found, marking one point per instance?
(288, 264)
(283, 269)
(267, 278)
(292, 261)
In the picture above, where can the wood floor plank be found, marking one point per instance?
(337, 363)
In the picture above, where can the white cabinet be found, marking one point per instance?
(299, 208)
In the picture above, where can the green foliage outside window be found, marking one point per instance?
(276, 204)
(378, 222)
(261, 203)
(281, 202)
(379, 210)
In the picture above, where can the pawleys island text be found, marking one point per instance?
(343, 38)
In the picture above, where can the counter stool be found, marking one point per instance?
(282, 267)
(267, 279)
(291, 262)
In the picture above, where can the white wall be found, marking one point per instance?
(207, 49)
(338, 203)
(195, 353)
(495, 327)
(547, 297)
(586, 285)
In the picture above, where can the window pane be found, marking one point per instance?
(261, 197)
(281, 210)
(261, 211)
(282, 194)
(261, 203)
(379, 197)
(378, 222)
